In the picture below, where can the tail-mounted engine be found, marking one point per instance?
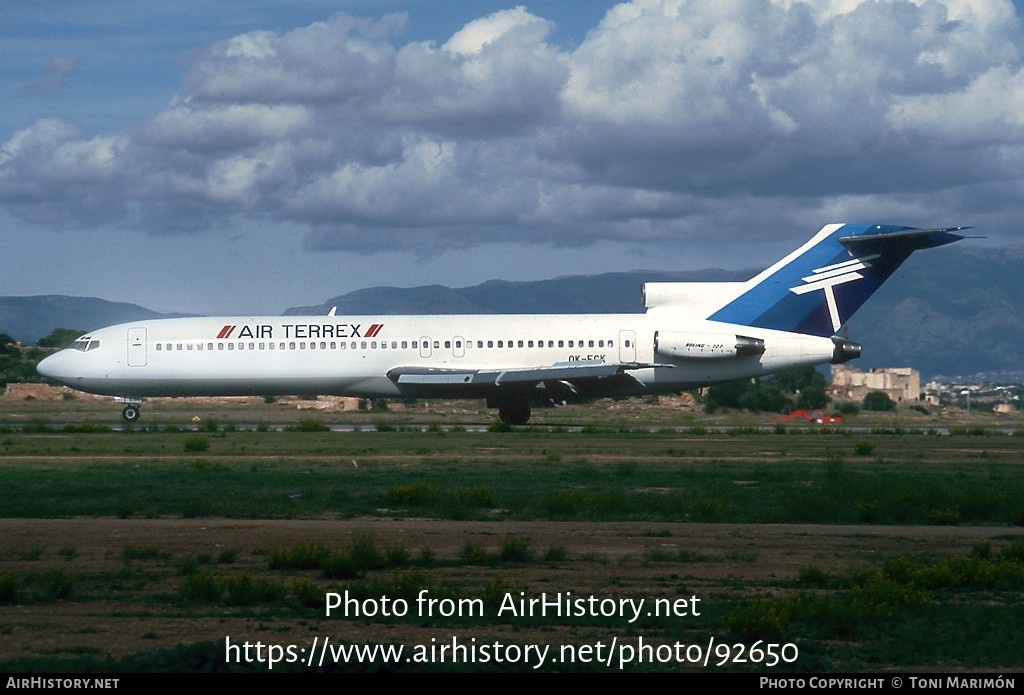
(845, 350)
(706, 346)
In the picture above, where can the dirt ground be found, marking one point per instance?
(604, 559)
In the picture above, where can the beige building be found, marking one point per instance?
(902, 384)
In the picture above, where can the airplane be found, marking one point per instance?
(692, 334)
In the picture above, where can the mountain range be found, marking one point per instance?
(955, 311)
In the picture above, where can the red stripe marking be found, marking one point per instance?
(225, 332)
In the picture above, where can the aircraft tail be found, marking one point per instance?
(817, 288)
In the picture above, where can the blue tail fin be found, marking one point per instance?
(818, 287)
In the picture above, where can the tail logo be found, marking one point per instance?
(828, 277)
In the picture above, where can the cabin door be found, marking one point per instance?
(627, 346)
(136, 347)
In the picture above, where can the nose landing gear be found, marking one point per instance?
(132, 409)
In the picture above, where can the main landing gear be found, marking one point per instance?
(514, 412)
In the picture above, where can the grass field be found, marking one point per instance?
(891, 544)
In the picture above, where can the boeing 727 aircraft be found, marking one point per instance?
(692, 334)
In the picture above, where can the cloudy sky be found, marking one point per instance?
(245, 156)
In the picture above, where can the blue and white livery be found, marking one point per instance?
(691, 334)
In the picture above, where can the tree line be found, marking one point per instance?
(18, 362)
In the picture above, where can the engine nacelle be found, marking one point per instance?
(706, 346)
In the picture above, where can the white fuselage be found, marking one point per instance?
(356, 356)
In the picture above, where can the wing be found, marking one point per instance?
(579, 375)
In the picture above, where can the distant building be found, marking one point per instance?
(902, 384)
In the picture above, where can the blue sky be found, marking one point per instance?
(245, 157)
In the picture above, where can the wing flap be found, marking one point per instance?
(568, 371)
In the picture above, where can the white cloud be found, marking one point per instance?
(507, 25)
(668, 115)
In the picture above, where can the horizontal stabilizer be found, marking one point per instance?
(906, 241)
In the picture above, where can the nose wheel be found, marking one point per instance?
(132, 408)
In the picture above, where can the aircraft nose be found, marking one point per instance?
(56, 366)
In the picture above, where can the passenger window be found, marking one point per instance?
(158, 347)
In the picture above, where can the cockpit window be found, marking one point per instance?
(85, 345)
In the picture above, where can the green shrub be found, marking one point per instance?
(475, 554)
(878, 401)
(196, 443)
(516, 549)
(305, 556)
(864, 448)
(8, 588)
